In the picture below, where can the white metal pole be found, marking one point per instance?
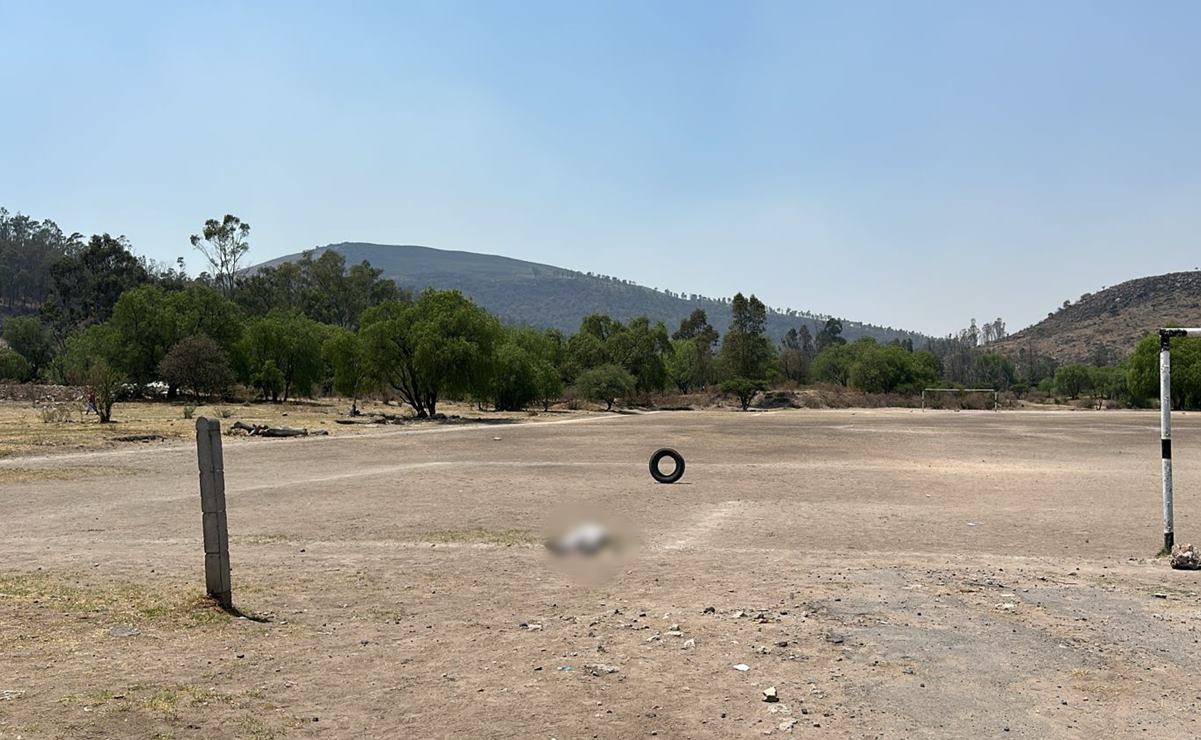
(1165, 435)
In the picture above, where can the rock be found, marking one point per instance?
(1186, 557)
(770, 696)
(600, 669)
(709, 610)
(124, 630)
(835, 639)
(673, 633)
(742, 667)
(690, 643)
(787, 725)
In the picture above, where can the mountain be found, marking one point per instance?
(529, 293)
(1105, 326)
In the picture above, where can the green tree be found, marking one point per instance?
(440, 344)
(640, 348)
(87, 282)
(830, 335)
(744, 388)
(199, 365)
(745, 351)
(833, 364)
(1073, 379)
(223, 244)
(30, 338)
(13, 367)
(1142, 375)
(606, 384)
(281, 354)
(684, 365)
(346, 352)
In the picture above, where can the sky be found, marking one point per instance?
(912, 164)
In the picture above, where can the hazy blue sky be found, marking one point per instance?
(912, 164)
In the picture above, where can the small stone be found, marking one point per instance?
(770, 696)
(690, 643)
(742, 667)
(787, 725)
(835, 639)
(124, 630)
(709, 610)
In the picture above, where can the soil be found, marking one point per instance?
(891, 573)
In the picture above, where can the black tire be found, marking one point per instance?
(675, 474)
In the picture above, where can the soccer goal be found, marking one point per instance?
(996, 405)
(1165, 424)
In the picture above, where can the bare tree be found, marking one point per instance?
(223, 243)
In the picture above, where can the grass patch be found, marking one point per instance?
(481, 536)
(120, 602)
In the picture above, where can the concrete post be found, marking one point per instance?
(212, 506)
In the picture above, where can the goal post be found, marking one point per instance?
(1165, 425)
(995, 397)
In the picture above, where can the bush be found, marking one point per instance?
(606, 384)
(744, 388)
(198, 365)
(13, 366)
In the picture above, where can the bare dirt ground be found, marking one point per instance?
(891, 573)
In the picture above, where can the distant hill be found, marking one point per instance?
(1106, 325)
(553, 297)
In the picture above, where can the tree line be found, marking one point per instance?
(121, 324)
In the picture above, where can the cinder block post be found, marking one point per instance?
(212, 506)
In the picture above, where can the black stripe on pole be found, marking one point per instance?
(1169, 539)
(1165, 449)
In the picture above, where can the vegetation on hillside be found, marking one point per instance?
(125, 326)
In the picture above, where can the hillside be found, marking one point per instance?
(546, 296)
(1106, 325)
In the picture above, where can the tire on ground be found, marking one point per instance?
(676, 474)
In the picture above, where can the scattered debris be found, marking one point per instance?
(263, 430)
(770, 695)
(10, 694)
(1006, 606)
(140, 438)
(1186, 557)
(600, 669)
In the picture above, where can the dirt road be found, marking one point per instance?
(891, 573)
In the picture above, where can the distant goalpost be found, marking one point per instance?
(995, 398)
(1165, 425)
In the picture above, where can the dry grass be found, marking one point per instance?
(27, 475)
(113, 601)
(24, 430)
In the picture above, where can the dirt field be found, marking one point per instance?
(890, 572)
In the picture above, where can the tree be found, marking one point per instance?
(104, 384)
(199, 365)
(606, 384)
(27, 249)
(346, 352)
(640, 348)
(87, 282)
(13, 367)
(281, 354)
(29, 338)
(440, 344)
(1142, 377)
(145, 327)
(830, 335)
(223, 243)
(528, 359)
(514, 378)
(684, 365)
(745, 351)
(744, 388)
(1073, 379)
(833, 364)
(794, 364)
(805, 342)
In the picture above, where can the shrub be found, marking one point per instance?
(13, 366)
(605, 384)
(199, 365)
